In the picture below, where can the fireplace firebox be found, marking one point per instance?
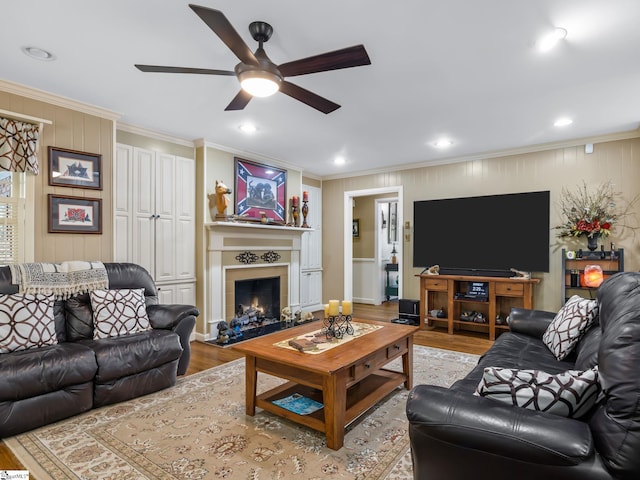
(258, 297)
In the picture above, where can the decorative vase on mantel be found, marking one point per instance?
(592, 241)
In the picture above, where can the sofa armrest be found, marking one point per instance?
(180, 319)
(168, 316)
(497, 429)
(530, 322)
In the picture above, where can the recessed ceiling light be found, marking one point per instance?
(339, 161)
(38, 53)
(551, 39)
(248, 128)
(443, 143)
(562, 122)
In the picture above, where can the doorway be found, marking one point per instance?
(349, 198)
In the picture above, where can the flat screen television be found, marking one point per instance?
(486, 235)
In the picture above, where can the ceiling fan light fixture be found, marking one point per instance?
(259, 83)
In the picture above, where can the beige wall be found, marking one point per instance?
(364, 246)
(617, 161)
(149, 143)
(75, 130)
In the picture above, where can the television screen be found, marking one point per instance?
(483, 235)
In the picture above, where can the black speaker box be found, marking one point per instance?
(408, 307)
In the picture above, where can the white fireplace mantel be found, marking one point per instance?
(225, 238)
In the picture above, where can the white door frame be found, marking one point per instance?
(349, 196)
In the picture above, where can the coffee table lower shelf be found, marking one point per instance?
(360, 397)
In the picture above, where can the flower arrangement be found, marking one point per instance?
(588, 213)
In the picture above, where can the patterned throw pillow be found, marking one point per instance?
(570, 394)
(118, 312)
(569, 324)
(26, 321)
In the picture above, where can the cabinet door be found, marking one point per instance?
(122, 203)
(311, 254)
(142, 202)
(165, 230)
(185, 180)
(167, 294)
(311, 289)
(186, 293)
(315, 290)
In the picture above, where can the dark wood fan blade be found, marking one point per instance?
(239, 101)
(355, 56)
(305, 96)
(217, 22)
(204, 71)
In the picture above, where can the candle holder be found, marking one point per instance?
(294, 214)
(305, 212)
(336, 326)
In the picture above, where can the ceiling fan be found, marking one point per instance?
(258, 75)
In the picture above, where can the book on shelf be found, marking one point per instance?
(299, 404)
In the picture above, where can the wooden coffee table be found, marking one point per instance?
(348, 379)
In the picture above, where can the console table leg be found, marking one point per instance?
(251, 384)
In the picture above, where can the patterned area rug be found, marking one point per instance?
(198, 430)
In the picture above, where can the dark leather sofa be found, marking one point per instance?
(42, 385)
(456, 435)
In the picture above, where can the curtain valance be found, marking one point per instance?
(18, 146)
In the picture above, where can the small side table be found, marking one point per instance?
(390, 290)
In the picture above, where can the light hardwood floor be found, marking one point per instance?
(204, 356)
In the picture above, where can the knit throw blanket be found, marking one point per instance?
(60, 279)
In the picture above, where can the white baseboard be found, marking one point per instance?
(368, 301)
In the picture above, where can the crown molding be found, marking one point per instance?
(57, 100)
(164, 137)
(611, 137)
(249, 155)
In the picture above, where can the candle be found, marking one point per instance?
(326, 310)
(346, 307)
(333, 308)
(294, 201)
(305, 196)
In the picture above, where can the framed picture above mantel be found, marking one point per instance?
(260, 190)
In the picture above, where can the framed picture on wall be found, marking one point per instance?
(69, 168)
(392, 232)
(356, 227)
(75, 214)
(260, 188)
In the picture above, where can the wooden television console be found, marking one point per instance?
(445, 292)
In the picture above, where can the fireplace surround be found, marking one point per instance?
(239, 251)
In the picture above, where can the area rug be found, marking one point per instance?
(198, 430)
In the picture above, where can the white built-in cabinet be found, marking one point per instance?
(311, 254)
(155, 218)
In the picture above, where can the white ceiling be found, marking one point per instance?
(465, 69)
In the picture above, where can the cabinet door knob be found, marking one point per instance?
(397, 347)
(367, 365)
